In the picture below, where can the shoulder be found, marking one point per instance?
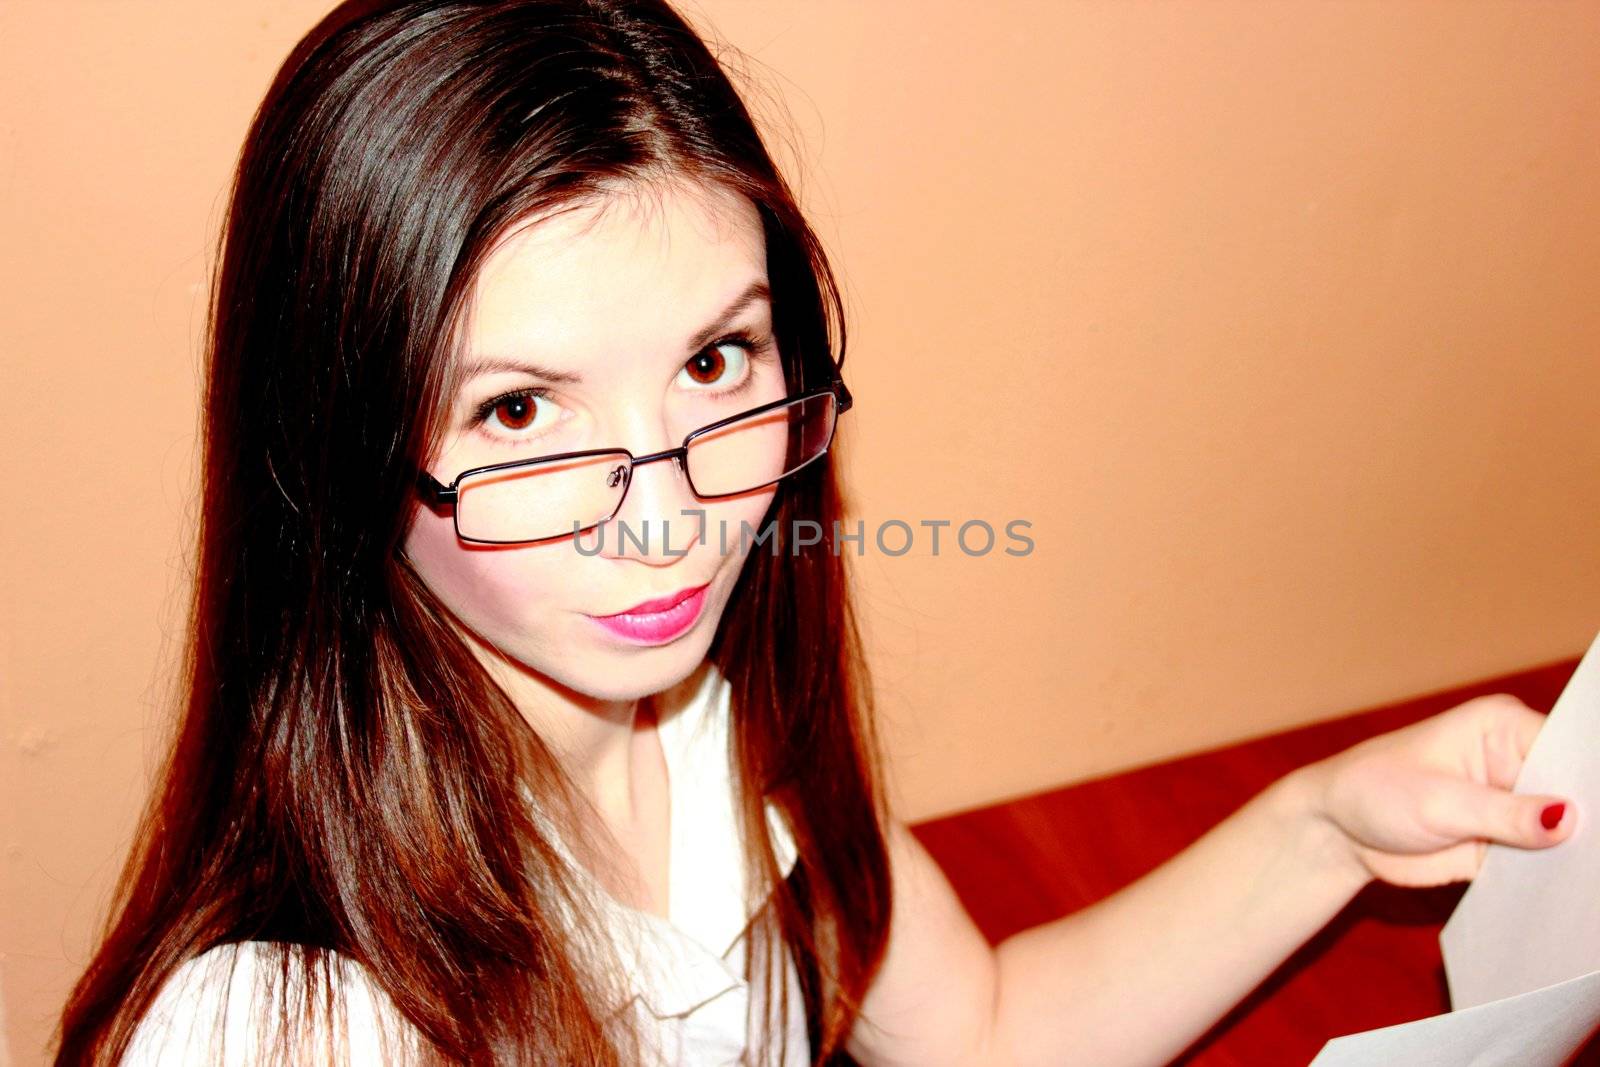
(232, 1004)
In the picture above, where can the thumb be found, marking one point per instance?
(1467, 809)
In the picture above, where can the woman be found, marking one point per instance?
(523, 725)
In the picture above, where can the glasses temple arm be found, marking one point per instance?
(433, 491)
(845, 400)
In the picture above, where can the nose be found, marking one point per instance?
(651, 526)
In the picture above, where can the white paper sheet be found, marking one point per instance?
(1531, 917)
(1522, 948)
(1538, 1029)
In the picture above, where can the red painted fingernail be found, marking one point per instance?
(1551, 816)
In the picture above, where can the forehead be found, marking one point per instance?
(635, 272)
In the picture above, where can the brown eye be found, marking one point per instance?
(714, 372)
(706, 367)
(516, 412)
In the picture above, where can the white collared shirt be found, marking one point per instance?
(688, 968)
(690, 995)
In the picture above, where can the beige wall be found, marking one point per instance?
(1277, 322)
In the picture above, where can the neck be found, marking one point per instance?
(595, 740)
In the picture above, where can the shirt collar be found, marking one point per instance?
(680, 962)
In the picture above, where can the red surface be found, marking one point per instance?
(1028, 861)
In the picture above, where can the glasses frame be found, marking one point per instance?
(436, 494)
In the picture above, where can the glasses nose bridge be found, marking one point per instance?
(680, 453)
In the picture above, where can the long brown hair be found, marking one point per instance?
(345, 779)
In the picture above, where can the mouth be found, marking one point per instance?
(659, 604)
(657, 621)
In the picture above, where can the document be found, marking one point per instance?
(1522, 948)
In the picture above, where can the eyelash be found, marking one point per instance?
(754, 348)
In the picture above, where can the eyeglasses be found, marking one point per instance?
(531, 500)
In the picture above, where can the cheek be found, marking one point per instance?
(492, 589)
(727, 519)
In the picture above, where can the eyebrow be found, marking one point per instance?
(754, 293)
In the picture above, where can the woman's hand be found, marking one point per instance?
(1417, 806)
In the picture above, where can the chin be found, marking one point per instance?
(619, 672)
(651, 672)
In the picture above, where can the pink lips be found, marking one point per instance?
(657, 621)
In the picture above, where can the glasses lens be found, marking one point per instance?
(540, 500)
(759, 449)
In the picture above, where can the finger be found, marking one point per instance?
(1462, 809)
(1509, 747)
(1525, 726)
(1509, 730)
